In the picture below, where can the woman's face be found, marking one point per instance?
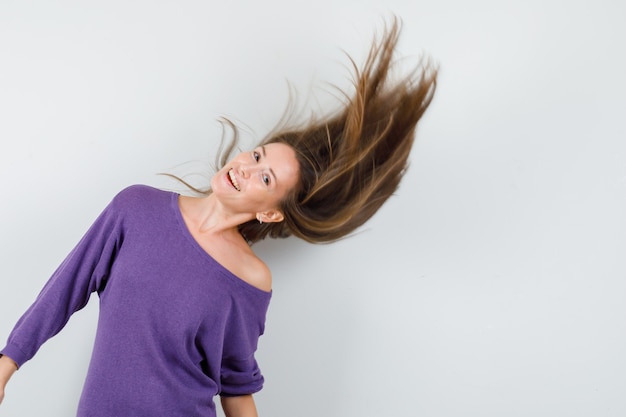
(257, 181)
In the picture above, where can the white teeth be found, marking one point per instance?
(233, 180)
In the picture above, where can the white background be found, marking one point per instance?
(492, 284)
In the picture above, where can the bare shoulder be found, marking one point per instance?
(242, 262)
(255, 272)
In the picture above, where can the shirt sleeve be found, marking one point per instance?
(240, 377)
(240, 373)
(84, 271)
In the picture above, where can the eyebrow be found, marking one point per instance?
(271, 170)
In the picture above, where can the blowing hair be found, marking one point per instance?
(352, 160)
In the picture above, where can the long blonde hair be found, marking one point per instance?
(352, 161)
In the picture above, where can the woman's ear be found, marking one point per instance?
(270, 216)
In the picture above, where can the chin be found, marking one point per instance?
(216, 184)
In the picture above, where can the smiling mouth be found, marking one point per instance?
(233, 180)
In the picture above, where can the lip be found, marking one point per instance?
(228, 180)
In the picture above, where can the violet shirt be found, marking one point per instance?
(175, 327)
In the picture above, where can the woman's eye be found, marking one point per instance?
(266, 179)
(256, 156)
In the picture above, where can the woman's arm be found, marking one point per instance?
(239, 406)
(7, 368)
(84, 271)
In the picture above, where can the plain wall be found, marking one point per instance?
(492, 284)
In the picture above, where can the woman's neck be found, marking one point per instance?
(207, 216)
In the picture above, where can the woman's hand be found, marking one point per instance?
(7, 369)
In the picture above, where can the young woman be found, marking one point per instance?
(182, 295)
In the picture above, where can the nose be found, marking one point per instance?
(246, 170)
